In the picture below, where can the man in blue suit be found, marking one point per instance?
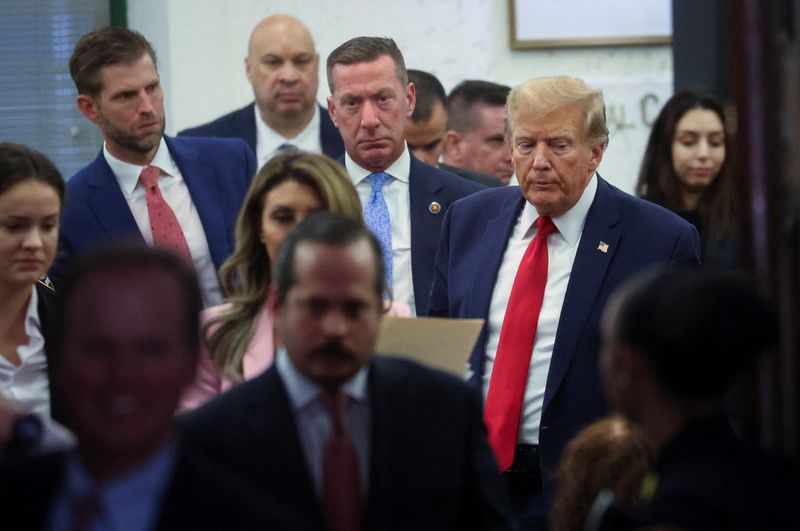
(600, 236)
(196, 186)
(283, 68)
(370, 102)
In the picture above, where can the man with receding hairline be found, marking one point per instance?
(370, 101)
(283, 68)
(538, 262)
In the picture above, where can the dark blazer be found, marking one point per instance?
(46, 308)
(217, 173)
(474, 238)
(428, 187)
(430, 464)
(200, 496)
(242, 124)
(490, 181)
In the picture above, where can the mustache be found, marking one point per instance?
(333, 349)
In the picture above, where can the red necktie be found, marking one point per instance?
(510, 371)
(167, 232)
(341, 486)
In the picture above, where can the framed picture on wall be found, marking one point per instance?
(583, 23)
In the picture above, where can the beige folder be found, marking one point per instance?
(441, 343)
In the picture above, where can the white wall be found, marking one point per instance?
(202, 44)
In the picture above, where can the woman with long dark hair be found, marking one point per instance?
(685, 169)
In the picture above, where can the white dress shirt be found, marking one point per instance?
(562, 247)
(314, 422)
(176, 194)
(268, 140)
(27, 385)
(396, 195)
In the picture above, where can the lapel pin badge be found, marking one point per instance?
(602, 247)
(434, 207)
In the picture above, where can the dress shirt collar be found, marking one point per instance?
(33, 325)
(570, 223)
(400, 169)
(128, 174)
(273, 140)
(303, 392)
(133, 496)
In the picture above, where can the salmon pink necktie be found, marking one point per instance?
(510, 371)
(167, 231)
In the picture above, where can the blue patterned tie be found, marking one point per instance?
(376, 217)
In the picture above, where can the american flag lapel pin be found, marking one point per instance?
(602, 247)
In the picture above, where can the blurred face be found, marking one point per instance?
(485, 149)
(370, 106)
(285, 206)
(29, 213)
(553, 160)
(329, 320)
(125, 361)
(283, 69)
(426, 139)
(698, 148)
(129, 110)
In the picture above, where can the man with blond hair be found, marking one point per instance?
(549, 253)
(283, 68)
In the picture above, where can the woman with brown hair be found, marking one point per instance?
(685, 169)
(239, 334)
(612, 454)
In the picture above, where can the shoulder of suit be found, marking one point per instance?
(218, 123)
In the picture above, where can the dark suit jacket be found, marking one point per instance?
(430, 464)
(428, 185)
(200, 496)
(242, 124)
(217, 173)
(474, 238)
(490, 181)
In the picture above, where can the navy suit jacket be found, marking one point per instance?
(430, 462)
(474, 238)
(242, 124)
(428, 185)
(217, 173)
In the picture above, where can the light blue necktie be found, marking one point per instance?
(376, 217)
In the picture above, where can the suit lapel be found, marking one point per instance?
(202, 184)
(588, 272)
(423, 191)
(494, 241)
(108, 204)
(246, 123)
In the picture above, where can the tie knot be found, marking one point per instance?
(335, 403)
(149, 176)
(378, 180)
(545, 226)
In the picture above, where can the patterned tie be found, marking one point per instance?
(510, 371)
(376, 217)
(341, 485)
(167, 232)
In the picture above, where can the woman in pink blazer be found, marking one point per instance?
(239, 337)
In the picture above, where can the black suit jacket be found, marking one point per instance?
(430, 465)
(242, 124)
(200, 496)
(489, 181)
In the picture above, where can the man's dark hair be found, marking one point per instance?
(461, 102)
(696, 329)
(120, 259)
(330, 229)
(429, 92)
(19, 163)
(105, 47)
(366, 50)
